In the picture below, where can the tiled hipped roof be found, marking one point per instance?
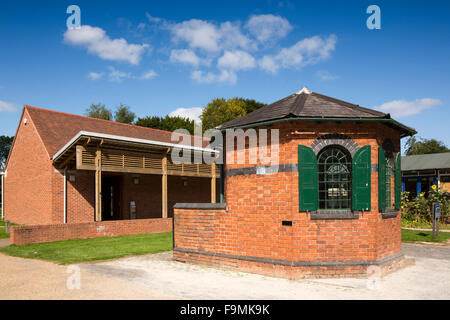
(306, 104)
(57, 128)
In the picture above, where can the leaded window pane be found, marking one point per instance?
(335, 165)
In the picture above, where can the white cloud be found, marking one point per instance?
(115, 75)
(149, 75)
(268, 27)
(204, 35)
(305, 52)
(191, 113)
(7, 107)
(185, 56)
(198, 34)
(403, 108)
(224, 76)
(232, 37)
(95, 75)
(268, 63)
(326, 76)
(98, 42)
(236, 60)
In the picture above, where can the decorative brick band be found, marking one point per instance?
(294, 263)
(287, 167)
(334, 139)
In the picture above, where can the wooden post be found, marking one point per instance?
(213, 182)
(164, 185)
(98, 185)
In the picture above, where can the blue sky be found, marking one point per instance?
(160, 56)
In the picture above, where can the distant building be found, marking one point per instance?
(420, 172)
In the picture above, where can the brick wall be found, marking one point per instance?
(29, 172)
(21, 235)
(258, 204)
(34, 188)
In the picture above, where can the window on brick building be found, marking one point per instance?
(335, 178)
(388, 164)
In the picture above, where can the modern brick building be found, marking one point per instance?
(330, 207)
(66, 169)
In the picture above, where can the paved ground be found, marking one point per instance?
(157, 277)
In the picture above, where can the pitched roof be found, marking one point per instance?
(306, 104)
(426, 161)
(57, 128)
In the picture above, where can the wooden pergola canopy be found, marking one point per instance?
(109, 153)
(130, 157)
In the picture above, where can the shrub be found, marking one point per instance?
(420, 209)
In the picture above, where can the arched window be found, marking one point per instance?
(385, 169)
(335, 178)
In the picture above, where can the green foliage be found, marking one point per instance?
(419, 210)
(123, 114)
(167, 123)
(99, 111)
(424, 146)
(251, 105)
(5, 146)
(219, 111)
(80, 250)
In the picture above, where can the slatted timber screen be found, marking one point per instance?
(138, 162)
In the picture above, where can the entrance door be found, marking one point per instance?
(110, 198)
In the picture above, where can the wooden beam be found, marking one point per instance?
(98, 185)
(68, 159)
(87, 142)
(164, 186)
(213, 182)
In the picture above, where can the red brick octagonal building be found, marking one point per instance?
(331, 207)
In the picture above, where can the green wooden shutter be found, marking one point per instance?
(308, 191)
(398, 181)
(381, 179)
(361, 179)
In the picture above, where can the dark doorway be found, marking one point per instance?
(111, 198)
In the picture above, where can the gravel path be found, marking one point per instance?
(158, 277)
(35, 279)
(160, 273)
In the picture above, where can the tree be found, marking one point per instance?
(219, 111)
(123, 114)
(424, 146)
(167, 123)
(5, 147)
(252, 105)
(99, 111)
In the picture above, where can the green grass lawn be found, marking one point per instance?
(81, 250)
(3, 233)
(427, 236)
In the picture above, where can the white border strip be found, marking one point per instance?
(126, 139)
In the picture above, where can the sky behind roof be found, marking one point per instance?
(173, 57)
